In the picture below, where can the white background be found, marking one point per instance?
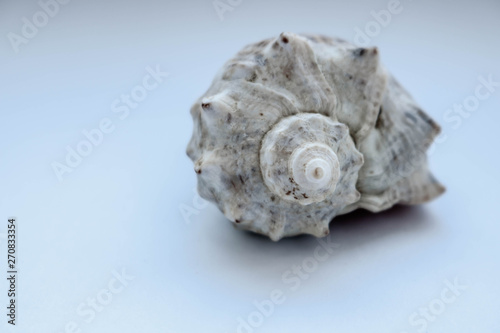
(120, 208)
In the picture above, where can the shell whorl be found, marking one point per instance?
(302, 156)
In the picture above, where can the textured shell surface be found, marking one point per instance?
(298, 129)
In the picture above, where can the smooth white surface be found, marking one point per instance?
(121, 207)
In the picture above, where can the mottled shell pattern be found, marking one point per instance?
(298, 129)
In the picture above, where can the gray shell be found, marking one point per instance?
(284, 104)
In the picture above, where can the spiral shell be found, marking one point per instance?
(296, 130)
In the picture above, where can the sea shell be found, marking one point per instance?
(298, 129)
